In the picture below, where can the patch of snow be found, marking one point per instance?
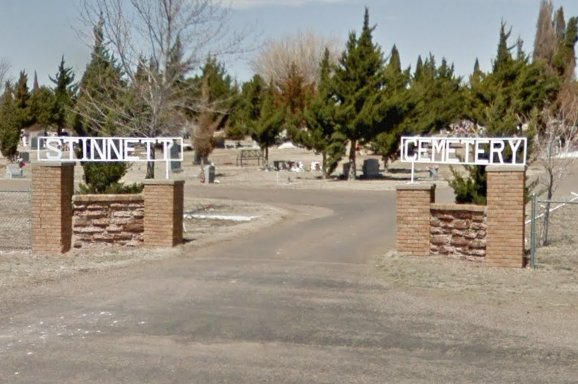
(568, 155)
(240, 218)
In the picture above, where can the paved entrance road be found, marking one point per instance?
(297, 303)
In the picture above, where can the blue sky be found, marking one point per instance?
(36, 33)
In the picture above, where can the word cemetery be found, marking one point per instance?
(456, 150)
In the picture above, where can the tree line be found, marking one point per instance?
(333, 101)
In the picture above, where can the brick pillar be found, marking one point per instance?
(163, 212)
(505, 215)
(52, 190)
(413, 218)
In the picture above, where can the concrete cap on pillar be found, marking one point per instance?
(415, 187)
(505, 168)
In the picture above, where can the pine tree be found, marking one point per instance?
(22, 101)
(64, 90)
(547, 36)
(321, 134)
(101, 83)
(437, 98)
(265, 129)
(504, 99)
(393, 107)
(358, 80)
(35, 85)
(43, 107)
(9, 125)
(247, 108)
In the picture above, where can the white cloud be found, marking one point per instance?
(259, 3)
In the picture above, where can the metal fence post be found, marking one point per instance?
(533, 233)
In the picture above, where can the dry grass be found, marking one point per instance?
(479, 283)
(561, 254)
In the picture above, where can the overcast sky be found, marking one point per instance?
(36, 33)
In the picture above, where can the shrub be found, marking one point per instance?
(104, 178)
(471, 189)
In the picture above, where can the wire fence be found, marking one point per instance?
(15, 220)
(554, 234)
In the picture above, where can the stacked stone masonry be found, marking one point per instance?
(108, 219)
(458, 231)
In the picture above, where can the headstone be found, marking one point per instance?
(371, 168)
(346, 167)
(176, 165)
(209, 174)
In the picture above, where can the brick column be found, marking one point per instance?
(413, 218)
(163, 212)
(505, 215)
(52, 190)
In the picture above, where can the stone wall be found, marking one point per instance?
(108, 219)
(458, 230)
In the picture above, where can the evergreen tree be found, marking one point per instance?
(35, 85)
(504, 99)
(22, 101)
(547, 36)
(64, 90)
(43, 107)
(358, 81)
(322, 133)
(9, 124)
(437, 98)
(101, 83)
(266, 128)
(248, 108)
(394, 107)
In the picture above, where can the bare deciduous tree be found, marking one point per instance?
(303, 50)
(157, 43)
(4, 71)
(554, 147)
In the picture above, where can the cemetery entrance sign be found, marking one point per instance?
(107, 149)
(464, 150)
